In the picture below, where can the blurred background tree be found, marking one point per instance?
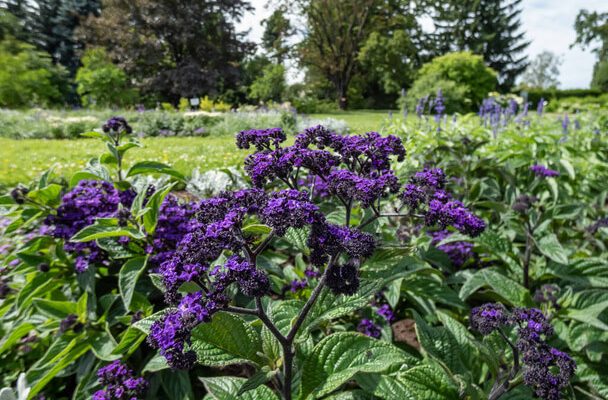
(543, 71)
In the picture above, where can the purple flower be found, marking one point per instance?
(120, 383)
(368, 328)
(540, 107)
(386, 312)
(543, 172)
(458, 252)
(260, 138)
(488, 318)
(289, 209)
(117, 125)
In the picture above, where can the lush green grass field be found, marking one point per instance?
(22, 160)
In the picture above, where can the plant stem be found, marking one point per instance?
(498, 391)
(528, 254)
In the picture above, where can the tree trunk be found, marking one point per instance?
(342, 99)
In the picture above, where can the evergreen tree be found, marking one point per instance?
(50, 25)
(277, 29)
(490, 28)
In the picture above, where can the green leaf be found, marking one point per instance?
(99, 231)
(156, 363)
(128, 276)
(330, 306)
(551, 248)
(259, 378)
(227, 388)
(337, 358)
(103, 345)
(48, 195)
(153, 206)
(40, 375)
(153, 167)
(230, 334)
(129, 341)
(55, 309)
(145, 324)
(15, 334)
(508, 289)
(439, 344)
(176, 384)
(298, 238)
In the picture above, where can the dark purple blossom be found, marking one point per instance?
(543, 172)
(488, 318)
(386, 312)
(343, 279)
(458, 252)
(120, 383)
(368, 328)
(117, 125)
(260, 138)
(289, 209)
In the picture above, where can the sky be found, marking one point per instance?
(549, 25)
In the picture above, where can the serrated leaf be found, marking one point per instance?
(128, 276)
(227, 388)
(337, 358)
(231, 334)
(508, 289)
(259, 378)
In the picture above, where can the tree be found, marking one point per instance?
(101, 83)
(336, 30)
(463, 78)
(277, 30)
(543, 71)
(27, 76)
(491, 28)
(270, 85)
(50, 25)
(591, 28)
(390, 54)
(174, 48)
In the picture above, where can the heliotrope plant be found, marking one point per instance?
(224, 251)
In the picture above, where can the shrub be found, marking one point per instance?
(270, 86)
(27, 76)
(101, 83)
(600, 76)
(463, 78)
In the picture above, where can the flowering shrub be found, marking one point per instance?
(346, 268)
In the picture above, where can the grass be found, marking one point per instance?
(359, 121)
(24, 160)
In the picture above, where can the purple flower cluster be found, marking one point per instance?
(343, 279)
(365, 175)
(80, 207)
(543, 172)
(368, 328)
(425, 192)
(545, 369)
(289, 209)
(260, 138)
(489, 317)
(120, 383)
(523, 203)
(117, 125)
(386, 312)
(175, 220)
(458, 252)
(327, 240)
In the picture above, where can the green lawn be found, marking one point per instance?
(360, 121)
(23, 160)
